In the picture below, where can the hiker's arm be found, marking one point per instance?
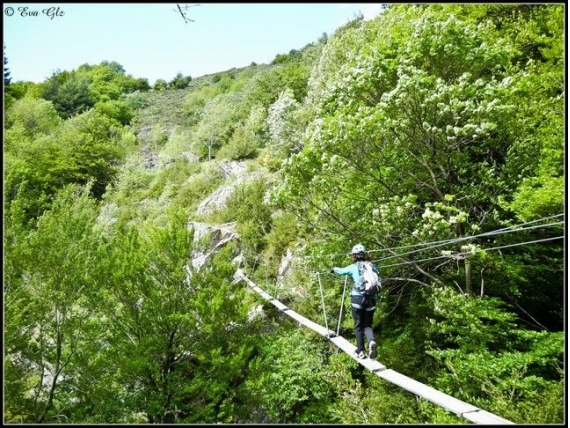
(349, 270)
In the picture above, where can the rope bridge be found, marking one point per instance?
(458, 407)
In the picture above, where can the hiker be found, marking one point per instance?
(362, 305)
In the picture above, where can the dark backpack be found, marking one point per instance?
(370, 282)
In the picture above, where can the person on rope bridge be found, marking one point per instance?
(362, 304)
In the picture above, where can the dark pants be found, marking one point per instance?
(362, 321)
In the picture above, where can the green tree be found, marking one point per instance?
(284, 124)
(418, 147)
(463, 332)
(76, 91)
(160, 85)
(47, 320)
(289, 382)
(220, 116)
(44, 155)
(119, 110)
(179, 81)
(7, 78)
(266, 86)
(247, 138)
(180, 337)
(30, 117)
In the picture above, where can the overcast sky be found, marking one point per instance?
(151, 40)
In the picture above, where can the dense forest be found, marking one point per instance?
(432, 134)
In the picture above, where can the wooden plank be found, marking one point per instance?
(349, 348)
(344, 345)
(446, 401)
(279, 305)
(253, 285)
(262, 293)
(485, 418)
(310, 324)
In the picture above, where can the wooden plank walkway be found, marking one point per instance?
(458, 407)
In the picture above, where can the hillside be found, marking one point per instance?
(432, 135)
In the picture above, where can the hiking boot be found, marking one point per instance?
(359, 354)
(372, 349)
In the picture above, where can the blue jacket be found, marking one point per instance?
(352, 270)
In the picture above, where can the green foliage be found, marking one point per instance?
(247, 138)
(160, 85)
(174, 174)
(7, 78)
(283, 58)
(95, 145)
(246, 207)
(221, 116)
(85, 148)
(401, 128)
(208, 347)
(197, 187)
(73, 97)
(472, 325)
(132, 178)
(241, 145)
(138, 337)
(266, 86)
(223, 82)
(47, 321)
(289, 382)
(365, 399)
(194, 105)
(118, 110)
(283, 234)
(493, 362)
(17, 90)
(76, 91)
(539, 197)
(142, 84)
(286, 121)
(28, 118)
(179, 81)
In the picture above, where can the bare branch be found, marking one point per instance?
(407, 280)
(184, 10)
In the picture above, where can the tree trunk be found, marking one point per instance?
(468, 277)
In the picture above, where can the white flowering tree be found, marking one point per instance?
(284, 133)
(434, 117)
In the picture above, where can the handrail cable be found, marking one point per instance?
(341, 306)
(513, 228)
(459, 255)
(323, 300)
(466, 238)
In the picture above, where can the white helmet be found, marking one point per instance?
(358, 248)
